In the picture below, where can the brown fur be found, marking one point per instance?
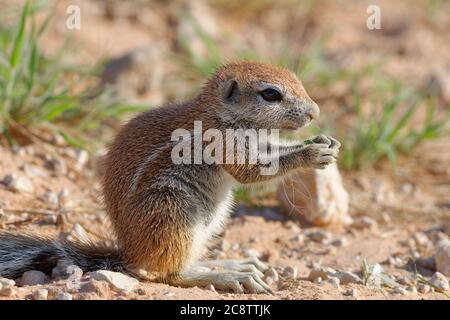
(152, 235)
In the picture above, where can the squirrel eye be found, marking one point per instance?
(271, 95)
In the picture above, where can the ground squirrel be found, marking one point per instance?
(164, 213)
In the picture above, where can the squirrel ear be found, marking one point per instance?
(231, 91)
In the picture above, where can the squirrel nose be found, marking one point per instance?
(313, 111)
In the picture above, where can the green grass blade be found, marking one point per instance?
(19, 40)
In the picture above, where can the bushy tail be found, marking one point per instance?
(20, 253)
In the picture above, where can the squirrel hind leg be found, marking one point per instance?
(251, 264)
(238, 276)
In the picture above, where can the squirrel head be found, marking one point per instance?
(261, 96)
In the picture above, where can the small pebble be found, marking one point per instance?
(7, 287)
(140, 291)
(63, 296)
(63, 272)
(411, 290)
(422, 241)
(18, 184)
(320, 236)
(248, 253)
(299, 239)
(439, 281)
(347, 277)
(210, 287)
(40, 294)
(341, 242)
(50, 197)
(424, 288)
(58, 166)
(290, 273)
(63, 196)
(318, 280)
(82, 159)
(321, 272)
(364, 222)
(386, 218)
(334, 281)
(352, 293)
(400, 290)
(442, 257)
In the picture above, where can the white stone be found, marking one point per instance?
(411, 290)
(318, 195)
(424, 288)
(64, 272)
(18, 184)
(400, 290)
(210, 287)
(319, 236)
(40, 294)
(334, 281)
(63, 296)
(364, 222)
(118, 280)
(50, 197)
(346, 277)
(321, 272)
(341, 242)
(82, 159)
(439, 281)
(442, 257)
(290, 273)
(6, 287)
(248, 253)
(422, 240)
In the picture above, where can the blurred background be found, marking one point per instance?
(71, 72)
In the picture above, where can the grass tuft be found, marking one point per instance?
(38, 90)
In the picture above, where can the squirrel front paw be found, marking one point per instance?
(322, 152)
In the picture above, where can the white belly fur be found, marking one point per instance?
(203, 234)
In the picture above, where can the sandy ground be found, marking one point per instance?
(266, 233)
(416, 198)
